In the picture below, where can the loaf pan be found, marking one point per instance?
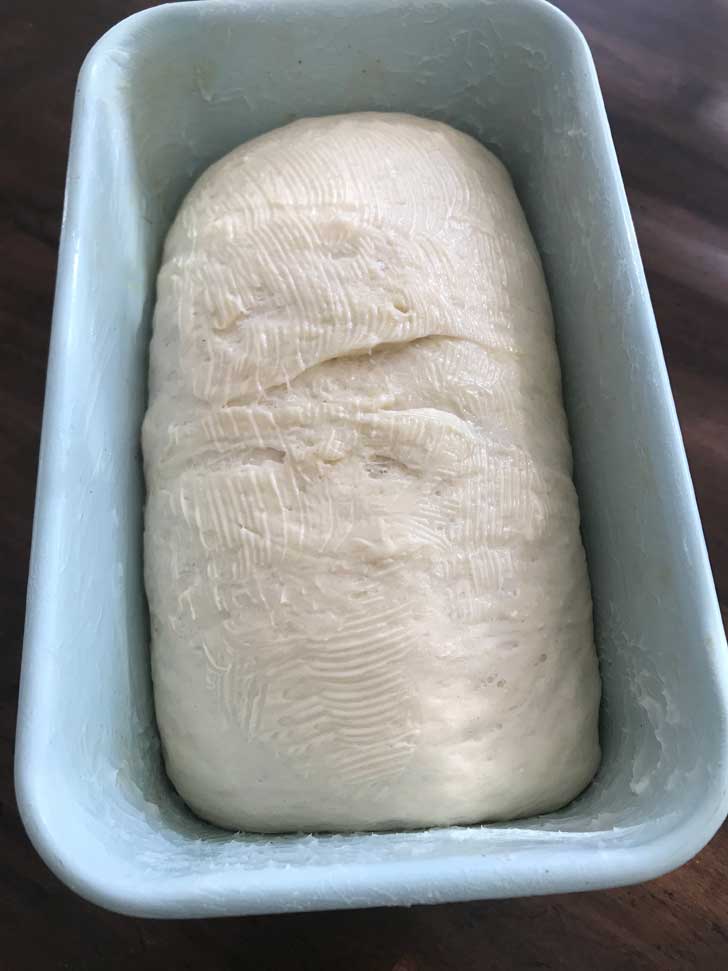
(160, 97)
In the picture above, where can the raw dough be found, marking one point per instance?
(369, 598)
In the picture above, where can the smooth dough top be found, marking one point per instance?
(369, 599)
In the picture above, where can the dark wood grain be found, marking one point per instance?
(663, 66)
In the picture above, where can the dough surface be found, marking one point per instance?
(369, 599)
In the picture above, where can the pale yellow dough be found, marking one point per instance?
(369, 599)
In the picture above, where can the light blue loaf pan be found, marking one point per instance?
(161, 96)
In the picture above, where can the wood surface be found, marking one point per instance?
(663, 66)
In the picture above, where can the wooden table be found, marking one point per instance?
(664, 72)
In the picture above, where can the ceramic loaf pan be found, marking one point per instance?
(160, 97)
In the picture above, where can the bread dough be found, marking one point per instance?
(369, 599)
